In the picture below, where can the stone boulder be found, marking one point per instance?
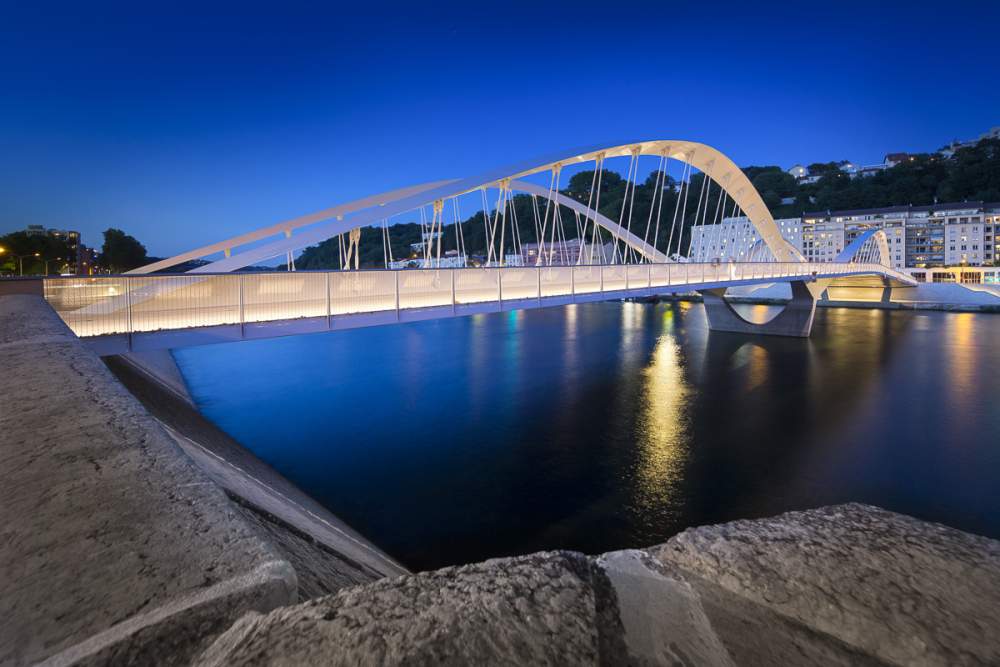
(902, 590)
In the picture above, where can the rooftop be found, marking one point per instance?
(946, 206)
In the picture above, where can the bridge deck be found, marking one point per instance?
(121, 313)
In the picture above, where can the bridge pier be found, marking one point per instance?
(795, 320)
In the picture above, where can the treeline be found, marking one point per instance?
(34, 252)
(972, 173)
(614, 192)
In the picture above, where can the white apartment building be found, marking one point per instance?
(950, 234)
(944, 234)
(737, 239)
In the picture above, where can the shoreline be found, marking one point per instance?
(326, 552)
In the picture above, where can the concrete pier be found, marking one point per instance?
(795, 319)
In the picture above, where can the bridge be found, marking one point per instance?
(221, 301)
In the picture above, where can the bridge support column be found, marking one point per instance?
(795, 320)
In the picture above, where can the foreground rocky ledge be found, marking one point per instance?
(848, 585)
(126, 542)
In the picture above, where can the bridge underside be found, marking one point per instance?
(796, 319)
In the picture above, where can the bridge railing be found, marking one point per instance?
(101, 305)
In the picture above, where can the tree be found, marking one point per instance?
(33, 249)
(122, 252)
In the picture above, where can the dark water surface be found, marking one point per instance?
(610, 425)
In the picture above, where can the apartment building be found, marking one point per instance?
(937, 235)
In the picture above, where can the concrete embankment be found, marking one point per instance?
(326, 553)
(116, 546)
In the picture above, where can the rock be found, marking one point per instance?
(662, 615)
(902, 590)
(547, 608)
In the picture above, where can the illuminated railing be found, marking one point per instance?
(101, 305)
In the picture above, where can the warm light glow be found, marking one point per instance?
(662, 425)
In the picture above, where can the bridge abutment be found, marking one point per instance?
(795, 320)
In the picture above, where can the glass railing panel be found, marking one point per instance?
(283, 296)
(363, 291)
(424, 288)
(586, 279)
(89, 306)
(182, 302)
(518, 283)
(637, 276)
(477, 285)
(556, 280)
(614, 277)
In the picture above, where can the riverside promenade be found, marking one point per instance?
(136, 532)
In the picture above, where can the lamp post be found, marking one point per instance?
(20, 261)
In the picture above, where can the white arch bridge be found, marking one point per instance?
(580, 251)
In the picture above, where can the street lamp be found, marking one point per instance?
(20, 261)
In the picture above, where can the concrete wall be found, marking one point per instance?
(115, 546)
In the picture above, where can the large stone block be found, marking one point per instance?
(902, 590)
(547, 608)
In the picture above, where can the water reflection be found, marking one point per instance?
(611, 425)
(660, 431)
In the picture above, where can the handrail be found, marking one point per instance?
(127, 304)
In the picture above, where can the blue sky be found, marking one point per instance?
(184, 124)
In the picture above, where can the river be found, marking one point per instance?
(610, 425)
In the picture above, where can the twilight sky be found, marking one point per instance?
(184, 124)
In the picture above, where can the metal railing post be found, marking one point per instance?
(128, 312)
(243, 329)
(329, 306)
(396, 278)
(453, 307)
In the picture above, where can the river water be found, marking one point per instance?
(610, 425)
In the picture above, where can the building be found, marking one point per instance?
(86, 260)
(736, 239)
(81, 258)
(451, 260)
(936, 235)
(949, 150)
(892, 159)
(943, 234)
(799, 171)
(965, 275)
(562, 253)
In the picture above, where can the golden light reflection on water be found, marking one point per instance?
(662, 444)
(569, 344)
(962, 355)
(754, 358)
